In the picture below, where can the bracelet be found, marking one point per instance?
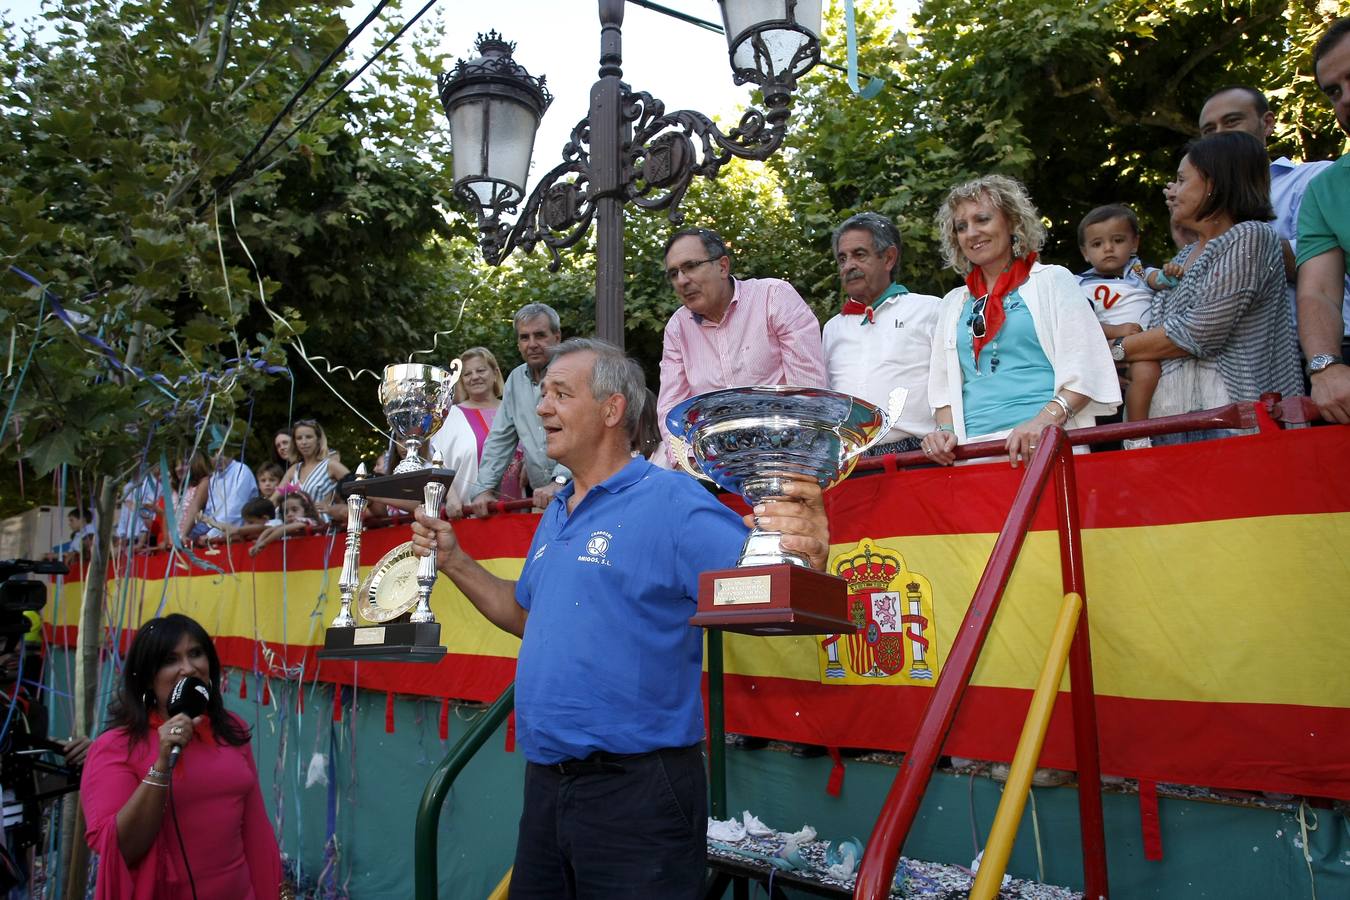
(162, 784)
(950, 429)
(153, 772)
(1062, 404)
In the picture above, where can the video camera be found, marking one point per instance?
(19, 595)
(27, 779)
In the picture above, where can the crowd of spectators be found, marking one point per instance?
(1259, 266)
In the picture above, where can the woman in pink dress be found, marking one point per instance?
(198, 828)
(478, 394)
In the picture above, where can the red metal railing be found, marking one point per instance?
(1053, 456)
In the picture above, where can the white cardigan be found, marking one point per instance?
(1068, 332)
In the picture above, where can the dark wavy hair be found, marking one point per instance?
(149, 651)
(1238, 170)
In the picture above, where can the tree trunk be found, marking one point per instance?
(87, 646)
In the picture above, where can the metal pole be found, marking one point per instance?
(717, 728)
(608, 135)
(1080, 684)
(1003, 833)
(426, 881)
(877, 869)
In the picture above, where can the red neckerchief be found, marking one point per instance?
(858, 308)
(1011, 279)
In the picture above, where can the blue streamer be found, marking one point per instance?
(874, 85)
(158, 379)
(171, 524)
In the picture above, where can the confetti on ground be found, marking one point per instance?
(918, 880)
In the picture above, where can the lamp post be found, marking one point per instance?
(628, 149)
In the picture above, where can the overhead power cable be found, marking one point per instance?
(309, 117)
(236, 174)
(676, 14)
(718, 29)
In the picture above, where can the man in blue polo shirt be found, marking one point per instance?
(609, 712)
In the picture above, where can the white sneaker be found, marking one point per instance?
(1142, 443)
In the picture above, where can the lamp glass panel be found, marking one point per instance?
(505, 158)
(738, 15)
(782, 44)
(513, 127)
(466, 139)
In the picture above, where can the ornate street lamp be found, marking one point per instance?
(772, 44)
(494, 112)
(627, 150)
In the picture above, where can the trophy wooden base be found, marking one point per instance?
(390, 642)
(407, 486)
(773, 600)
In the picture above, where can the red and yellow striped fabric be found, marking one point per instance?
(1217, 586)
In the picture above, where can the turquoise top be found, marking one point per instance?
(1014, 378)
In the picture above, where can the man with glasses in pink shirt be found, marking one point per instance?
(731, 332)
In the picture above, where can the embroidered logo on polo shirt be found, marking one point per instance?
(540, 552)
(596, 548)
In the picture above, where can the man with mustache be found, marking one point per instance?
(883, 337)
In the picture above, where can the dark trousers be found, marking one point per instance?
(614, 827)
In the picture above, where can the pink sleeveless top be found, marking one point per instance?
(480, 420)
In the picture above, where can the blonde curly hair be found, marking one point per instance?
(1006, 194)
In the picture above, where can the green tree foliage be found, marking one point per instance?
(1088, 103)
(120, 122)
(746, 205)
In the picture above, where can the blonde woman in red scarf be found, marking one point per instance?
(1015, 348)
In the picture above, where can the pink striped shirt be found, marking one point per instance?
(768, 336)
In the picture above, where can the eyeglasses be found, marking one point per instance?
(976, 320)
(687, 269)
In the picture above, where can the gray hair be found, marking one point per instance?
(883, 231)
(1007, 195)
(614, 373)
(533, 311)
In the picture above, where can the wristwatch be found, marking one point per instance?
(1118, 349)
(1322, 361)
(560, 480)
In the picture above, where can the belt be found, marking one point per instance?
(602, 762)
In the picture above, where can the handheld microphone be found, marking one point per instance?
(190, 695)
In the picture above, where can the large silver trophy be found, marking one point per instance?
(416, 400)
(749, 441)
(395, 598)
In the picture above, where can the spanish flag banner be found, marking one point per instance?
(1217, 585)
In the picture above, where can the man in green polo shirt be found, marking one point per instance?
(1324, 243)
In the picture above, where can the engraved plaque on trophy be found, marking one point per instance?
(749, 441)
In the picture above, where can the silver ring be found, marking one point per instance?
(177, 729)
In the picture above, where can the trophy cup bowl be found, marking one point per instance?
(750, 441)
(416, 400)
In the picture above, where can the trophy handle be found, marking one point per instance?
(895, 402)
(452, 374)
(680, 450)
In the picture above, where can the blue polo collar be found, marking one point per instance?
(633, 472)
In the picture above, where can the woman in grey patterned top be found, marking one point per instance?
(1224, 332)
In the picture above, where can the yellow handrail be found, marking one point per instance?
(503, 888)
(1004, 830)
